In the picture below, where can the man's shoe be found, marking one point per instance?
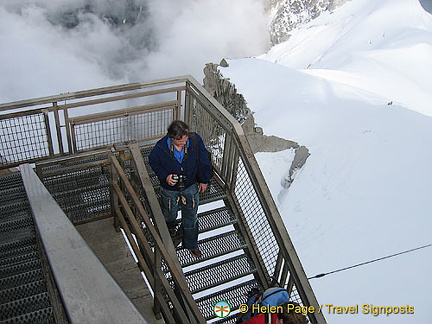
(196, 253)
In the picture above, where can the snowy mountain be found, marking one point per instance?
(354, 86)
(287, 15)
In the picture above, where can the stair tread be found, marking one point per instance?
(17, 249)
(16, 235)
(10, 180)
(215, 218)
(44, 315)
(25, 305)
(21, 279)
(22, 291)
(212, 247)
(219, 273)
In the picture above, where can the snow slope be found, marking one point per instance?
(355, 87)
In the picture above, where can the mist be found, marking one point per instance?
(51, 47)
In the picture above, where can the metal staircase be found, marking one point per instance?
(95, 165)
(226, 271)
(26, 293)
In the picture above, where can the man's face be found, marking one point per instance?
(180, 141)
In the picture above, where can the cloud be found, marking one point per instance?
(50, 47)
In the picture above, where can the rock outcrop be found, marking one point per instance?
(289, 14)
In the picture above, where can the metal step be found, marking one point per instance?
(25, 305)
(15, 221)
(23, 288)
(10, 180)
(82, 190)
(19, 292)
(234, 296)
(16, 235)
(21, 279)
(20, 267)
(44, 315)
(19, 258)
(84, 203)
(212, 247)
(13, 208)
(219, 273)
(20, 249)
(76, 180)
(215, 218)
(11, 194)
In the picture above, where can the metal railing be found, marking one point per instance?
(142, 112)
(235, 163)
(131, 215)
(43, 128)
(88, 291)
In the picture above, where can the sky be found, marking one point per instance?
(354, 86)
(51, 47)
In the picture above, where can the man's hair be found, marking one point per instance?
(178, 129)
(292, 317)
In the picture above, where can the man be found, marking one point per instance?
(180, 161)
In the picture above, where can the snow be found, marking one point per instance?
(355, 87)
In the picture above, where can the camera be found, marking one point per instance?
(181, 180)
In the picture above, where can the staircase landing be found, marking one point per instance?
(111, 249)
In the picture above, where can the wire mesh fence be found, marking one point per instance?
(23, 137)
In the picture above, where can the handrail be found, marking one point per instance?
(89, 293)
(162, 245)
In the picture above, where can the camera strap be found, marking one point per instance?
(181, 155)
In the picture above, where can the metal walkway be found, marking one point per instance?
(92, 164)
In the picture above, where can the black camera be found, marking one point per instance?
(181, 180)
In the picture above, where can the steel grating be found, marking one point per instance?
(25, 305)
(256, 218)
(15, 293)
(30, 264)
(17, 234)
(7, 195)
(215, 218)
(212, 247)
(41, 316)
(10, 223)
(21, 279)
(23, 288)
(8, 251)
(24, 137)
(219, 273)
(82, 194)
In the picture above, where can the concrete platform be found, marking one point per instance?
(111, 249)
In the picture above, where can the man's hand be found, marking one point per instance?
(171, 182)
(202, 187)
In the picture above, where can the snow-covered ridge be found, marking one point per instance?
(354, 86)
(347, 45)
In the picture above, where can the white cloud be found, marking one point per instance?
(50, 47)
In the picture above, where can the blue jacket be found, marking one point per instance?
(163, 163)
